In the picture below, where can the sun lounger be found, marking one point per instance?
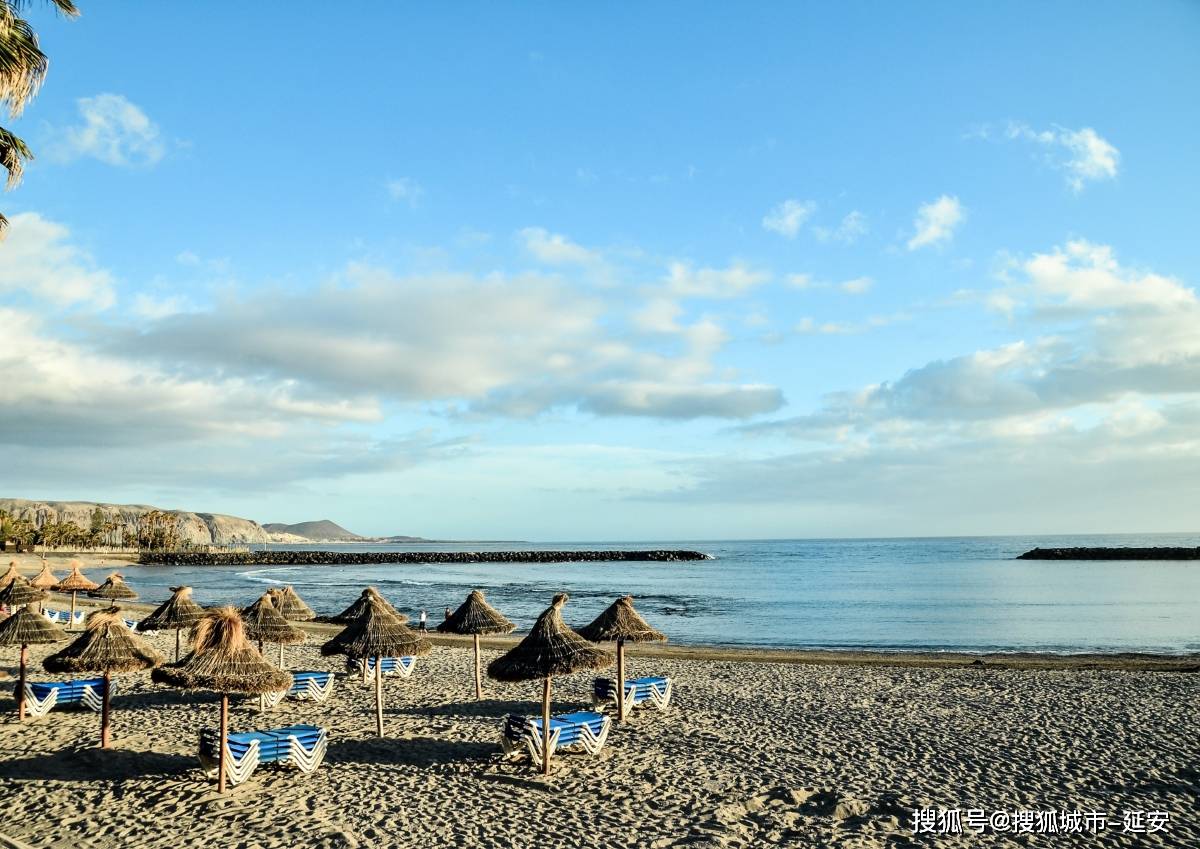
(301, 746)
(312, 685)
(639, 692)
(42, 697)
(402, 666)
(523, 734)
(63, 617)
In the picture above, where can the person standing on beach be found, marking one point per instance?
(424, 619)
(449, 613)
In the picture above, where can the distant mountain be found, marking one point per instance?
(320, 531)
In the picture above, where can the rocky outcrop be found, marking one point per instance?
(1158, 553)
(332, 558)
(194, 528)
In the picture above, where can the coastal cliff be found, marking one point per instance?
(197, 529)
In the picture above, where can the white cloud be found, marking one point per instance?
(156, 307)
(936, 222)
(405, 189)
(857, 286)
(1083, 154)
(788, 217)
(554, 248)
(731, 282)
(38, 258)
(659, 315)
(114, 131)
(809, 326)
(852, 227)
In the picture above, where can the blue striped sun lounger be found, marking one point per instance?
(522, 735)
(300, 746)
(312, 684)
(42, 696)
(652, 691)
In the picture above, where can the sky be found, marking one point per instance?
(628, 271)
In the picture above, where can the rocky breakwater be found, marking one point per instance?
(1157, 553)
(343, 558)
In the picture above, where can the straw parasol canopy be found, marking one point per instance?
(44, 579)
(378, 634)
(223, 660)
(18, 592)
(177, 612)
(26, 628)
(359, 607)
(291, 606)
(11, 575)
(114, 589)
(266, 625)
(550, 648)
(109, 647)
(620, 622)
(475, 616)
(75, 583)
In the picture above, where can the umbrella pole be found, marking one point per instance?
(478, 679)
(546, 726)
(71, 624)
(378, 698)
(365, 663)
(281, 666)
(21, 687)
(620, 679)
(223, 743)
(106, 714)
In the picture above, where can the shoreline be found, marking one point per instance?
(788, 656)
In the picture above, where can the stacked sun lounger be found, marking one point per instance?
(42, 697)
(301, 746)
(650, 691)
(63, 617)
(522, 735)
(313, 685)
(402, 666)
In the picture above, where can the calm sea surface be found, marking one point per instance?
(942, 594)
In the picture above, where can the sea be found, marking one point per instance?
(967, 594)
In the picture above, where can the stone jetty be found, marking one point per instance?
(1159, 553)
(343, 558)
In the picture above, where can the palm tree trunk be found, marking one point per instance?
(546, 726)
(478, 676)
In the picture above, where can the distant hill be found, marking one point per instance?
(320, 531)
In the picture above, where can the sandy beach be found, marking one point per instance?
(749, 753)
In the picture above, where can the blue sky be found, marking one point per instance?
(625, 272)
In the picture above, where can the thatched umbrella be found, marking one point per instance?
(74, 584)
(18, 592)
(378, 634)
(265, 624)
(359, 607)
(291, 606)
(109, 647)
(622, 623)
(475, 616)
(223, 660)
(114, 589)
(550, 648)
(178, 612)
(9, 576)
(26, 628)
(44, 579)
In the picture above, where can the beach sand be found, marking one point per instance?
(747, 754)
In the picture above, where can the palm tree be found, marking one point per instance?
(22, 68)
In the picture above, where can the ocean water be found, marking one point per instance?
(959, 593)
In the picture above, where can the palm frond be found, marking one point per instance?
(14, 153)
(22, 63)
